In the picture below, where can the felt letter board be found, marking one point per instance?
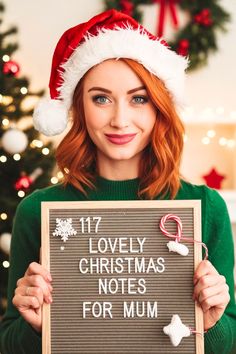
(115, 282)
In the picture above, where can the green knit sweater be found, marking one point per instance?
(18, 337)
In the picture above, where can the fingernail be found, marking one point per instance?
(49, 277)
(50, 299)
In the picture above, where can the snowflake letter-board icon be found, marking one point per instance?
(64, 229)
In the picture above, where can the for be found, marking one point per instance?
(97, 309)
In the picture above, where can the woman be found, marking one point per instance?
(125, 143)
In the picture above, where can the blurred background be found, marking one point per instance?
(203, 30)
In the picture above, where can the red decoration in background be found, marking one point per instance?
(204, 18)
(214, 179)
(23, 183)
(164, 6)
(127, 7)
(11, 68)
(183, 47)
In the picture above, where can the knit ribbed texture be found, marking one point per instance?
(17, 337)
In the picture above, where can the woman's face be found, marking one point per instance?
(118, 112)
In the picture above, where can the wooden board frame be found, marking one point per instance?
(194, 205)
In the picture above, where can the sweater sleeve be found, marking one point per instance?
(16, 335)
(222, 337)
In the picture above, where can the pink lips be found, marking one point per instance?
(120, 139)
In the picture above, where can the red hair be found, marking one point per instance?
(160, 162)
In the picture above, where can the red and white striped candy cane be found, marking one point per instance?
(178, 236)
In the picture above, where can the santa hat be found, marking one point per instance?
(108, 35)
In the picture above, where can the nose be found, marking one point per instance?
(119, 118)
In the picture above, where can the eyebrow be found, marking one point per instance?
(108, 91)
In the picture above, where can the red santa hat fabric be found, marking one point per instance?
(108, 35)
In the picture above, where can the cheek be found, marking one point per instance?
(95, 118)
(150, 122)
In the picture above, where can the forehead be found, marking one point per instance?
(111, 73)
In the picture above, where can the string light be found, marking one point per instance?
(16, 157)
(11, 108)
(6, 100)
(3, 216)
(54, 180)
(211, 133)
(23, 90)
(231, 143)
(223, 141)
(60, 175)
(21, 194)
(5, 122)
(208, 114)
(3, 158)
(206, 140)
(45, 151)
(6, 264)
(5, 58)
(36, 143)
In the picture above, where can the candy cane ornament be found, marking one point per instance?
(176, 246)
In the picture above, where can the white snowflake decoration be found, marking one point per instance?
(64, 229)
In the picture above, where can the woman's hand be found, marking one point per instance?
(211, 292)
(31, 292)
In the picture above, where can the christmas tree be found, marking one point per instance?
(26, 161)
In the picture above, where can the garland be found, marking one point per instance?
(198, 38)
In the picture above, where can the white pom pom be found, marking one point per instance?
(177, 247)
(50, 117)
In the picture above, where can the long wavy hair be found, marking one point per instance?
(159, 166)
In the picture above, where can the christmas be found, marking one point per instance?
(119, 265)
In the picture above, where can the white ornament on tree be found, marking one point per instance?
(5, 242)
(14, 141)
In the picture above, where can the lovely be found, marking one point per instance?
(118, 244)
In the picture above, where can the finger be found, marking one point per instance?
(26, 281)
(24, 303)
(36, 268)
(29, 309)
(218, 301)
(207, 281)
(36, 281)
(38, 293)
(212, 291)
(204, 268)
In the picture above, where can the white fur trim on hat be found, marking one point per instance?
(50, 117)
(124, 43)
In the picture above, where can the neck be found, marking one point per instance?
(118, 170)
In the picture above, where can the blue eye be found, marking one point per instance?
(140, 99)
(100, 99)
